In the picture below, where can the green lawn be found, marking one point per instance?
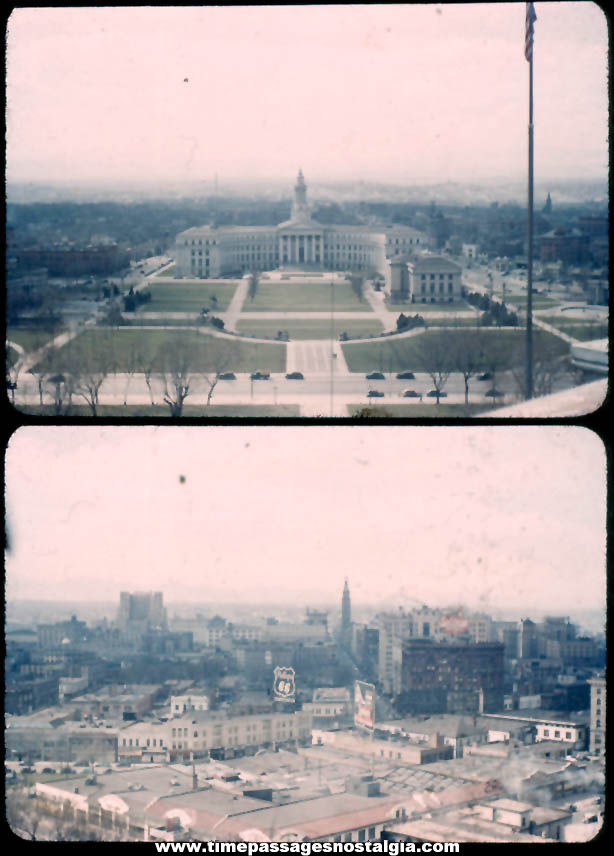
(157, 411)
(401, 354)
(415, 411)
(189, 295)
(169, 271)
(30, 340)
(424, 308)
(578, 329)
(452, 321)
(127, 347)
(314, 296)
(316, 329)
(539, 301)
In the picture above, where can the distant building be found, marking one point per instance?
(569, 245)
(184, 703)
(210, 251)
(423, 279)
(140, 613)
(598, 715)
(74, 261)
(443, 677)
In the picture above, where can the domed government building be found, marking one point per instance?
(301, 243)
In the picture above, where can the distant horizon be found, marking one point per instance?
(338, 90)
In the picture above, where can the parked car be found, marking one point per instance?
(260, 375)
(375, 376)
(295, 376)
(433, 394)
(485, 376)
(411, 393)
(405, 376)
(375, 393)
(228, 376)
(494, 393)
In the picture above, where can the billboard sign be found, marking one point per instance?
(284, 686)
(364, 704)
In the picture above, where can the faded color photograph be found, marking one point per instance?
(360, 637)
(379, 210)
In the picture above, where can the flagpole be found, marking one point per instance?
(529, 342)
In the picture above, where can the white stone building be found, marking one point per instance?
(210, 251)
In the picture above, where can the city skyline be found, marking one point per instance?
(386, 92)
(433, 515)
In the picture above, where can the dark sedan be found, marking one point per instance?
(434, 394)
(411, 393)
(375, 376)
(406, 376)
(375, 393)
(228, 376)
(295, 376)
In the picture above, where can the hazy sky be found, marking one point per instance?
(490, 517)
(414, 92)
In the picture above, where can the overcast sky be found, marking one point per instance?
(490, 517)
(409, 92)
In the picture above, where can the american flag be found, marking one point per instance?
(528, 32)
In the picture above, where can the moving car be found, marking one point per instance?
(411, 393)
(485, 376)
(433, 394)
(494, 393)
(405, 376)
(228, 376)
(295, 376)
(375, 393)
(375, 376)
(260, 375)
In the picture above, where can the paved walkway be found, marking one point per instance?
(315, 357)
(376, 301)
(231, 315)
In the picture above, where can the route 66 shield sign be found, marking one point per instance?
(283, 683)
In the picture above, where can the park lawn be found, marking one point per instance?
(30, 340)
(161, 411)
(189, 295)
(538, 301)
(415, 411)
(314, 329)
(161, 321)
(128, 348)
(405, 353)
(168, 271)
(453, 321)
(578, 329)
(425, 308)
(314, 296)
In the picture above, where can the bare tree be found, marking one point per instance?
(224, 357)
(467, 348)
(550, 363)
(437, 358)
(40, 371)
(177, 360)
(13, 368)
(22, 815)
(89, 365)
